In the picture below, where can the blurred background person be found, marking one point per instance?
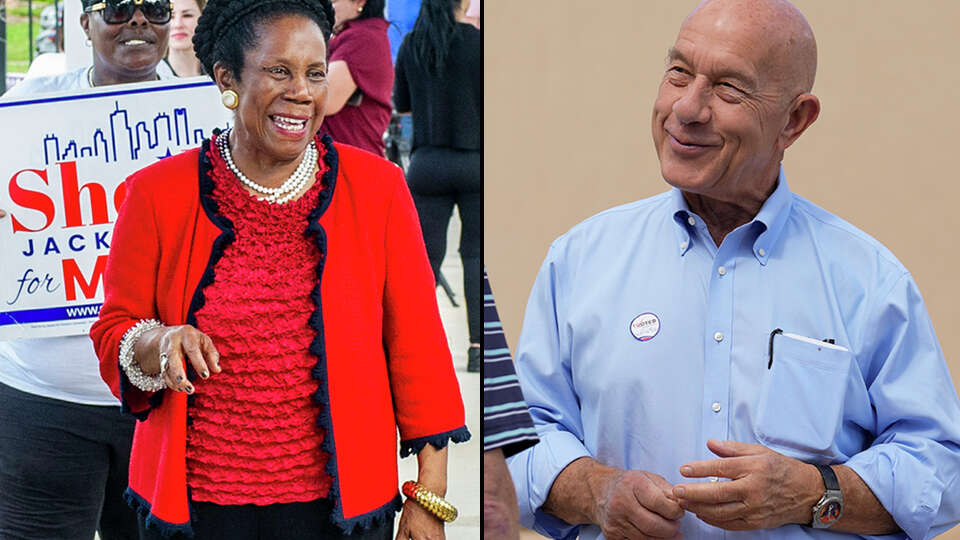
(51, 58)
(439, 79)
(180, 56)
(270, 313)
(360, 74)
(64, 444)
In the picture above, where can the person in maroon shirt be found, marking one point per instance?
(360, 74)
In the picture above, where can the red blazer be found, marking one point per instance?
(382, 357)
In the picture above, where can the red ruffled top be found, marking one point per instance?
(254, 437)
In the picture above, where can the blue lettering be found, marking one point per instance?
(29, 251)
(33, 284)
(51, 247)
(101, 238)
(74, 238)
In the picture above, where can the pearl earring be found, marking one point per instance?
(230, 99)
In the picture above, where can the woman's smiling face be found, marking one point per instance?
(282, 88)
(182, 24)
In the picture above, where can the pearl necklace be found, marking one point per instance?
(290, 187)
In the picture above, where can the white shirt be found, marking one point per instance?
(62, 82)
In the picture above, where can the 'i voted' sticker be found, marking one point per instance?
(645, 326)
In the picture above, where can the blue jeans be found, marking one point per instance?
(63, 469)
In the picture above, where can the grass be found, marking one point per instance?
(18, 42)
(20, 9)
(18, 46)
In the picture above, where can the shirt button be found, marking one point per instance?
(718, 337)
(683, 245)
(722, 271)
(714, 479)
(715, 407)
(761, 252)
(691, 221)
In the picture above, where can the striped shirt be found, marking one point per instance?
(506, 421)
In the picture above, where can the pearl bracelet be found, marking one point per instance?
(433, 503)
(147, 383)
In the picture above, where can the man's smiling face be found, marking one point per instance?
(721, 107)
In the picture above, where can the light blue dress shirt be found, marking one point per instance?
(642, 339)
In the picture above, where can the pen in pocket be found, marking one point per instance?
(829, 343)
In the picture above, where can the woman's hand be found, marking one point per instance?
(181, 344)
(417, 523)
(2, 214)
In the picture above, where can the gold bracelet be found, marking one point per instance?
(434, 503)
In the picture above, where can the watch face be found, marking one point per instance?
(829, 512)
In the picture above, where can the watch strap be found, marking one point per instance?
(830, 506)
(829, 477)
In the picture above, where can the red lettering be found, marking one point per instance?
(34, 200)
(71, 197)
(72, 276)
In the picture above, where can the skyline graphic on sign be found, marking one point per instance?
(119, 140)
(67, 155)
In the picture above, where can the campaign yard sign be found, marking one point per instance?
(63, 164)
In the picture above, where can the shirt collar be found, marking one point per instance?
(773, 216)
(770, 220)
(681, 215)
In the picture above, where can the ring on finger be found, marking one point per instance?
(164, 363)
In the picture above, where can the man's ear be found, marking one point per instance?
(803, 113)
(224, 78)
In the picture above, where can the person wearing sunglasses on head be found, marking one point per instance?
(129, 40)
(64, 444)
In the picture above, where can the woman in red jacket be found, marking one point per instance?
(270, 314)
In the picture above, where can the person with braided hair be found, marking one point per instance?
(270, 314)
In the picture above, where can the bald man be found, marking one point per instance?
(727, 356)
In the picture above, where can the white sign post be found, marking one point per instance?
(64, 161)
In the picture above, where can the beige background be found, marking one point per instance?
(569, 92)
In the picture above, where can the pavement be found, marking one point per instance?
(463, 459)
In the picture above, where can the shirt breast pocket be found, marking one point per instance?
(801, 404)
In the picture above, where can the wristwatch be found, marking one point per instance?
(830, 507)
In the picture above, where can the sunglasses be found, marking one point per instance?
(121, 11)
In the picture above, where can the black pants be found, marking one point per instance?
(63, 469)
(294, 521)
(440, 178)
